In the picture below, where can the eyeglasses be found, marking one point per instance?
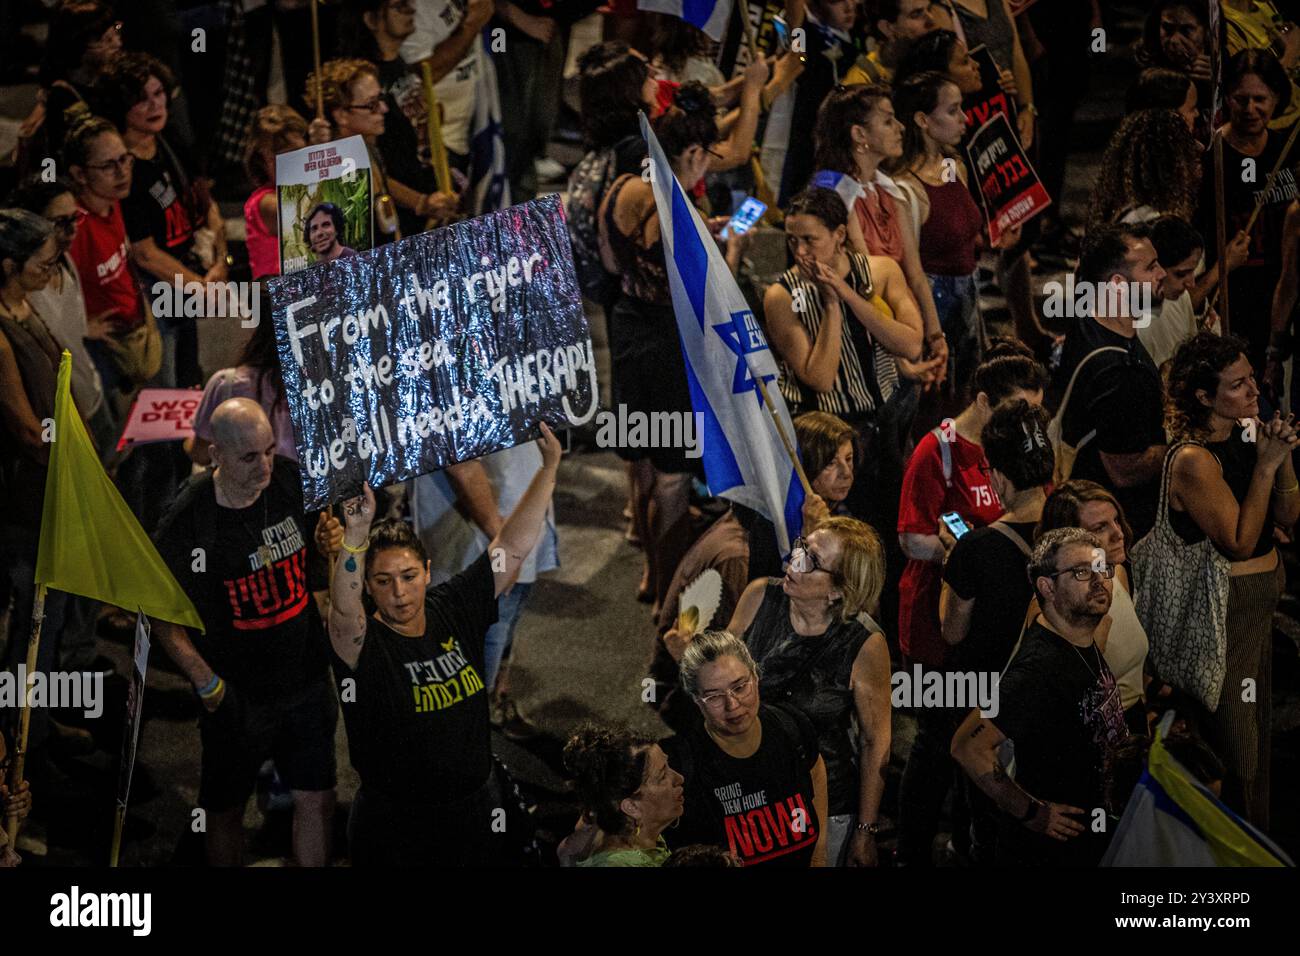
(803, 560)
(739, 691)
(68, 223)
(371, 106)
(122, 163)
(1084, 572)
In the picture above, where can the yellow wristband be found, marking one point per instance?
(1287, 491)
(351, 550)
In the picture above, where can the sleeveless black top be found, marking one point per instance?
(812, 674)
(1237, 459)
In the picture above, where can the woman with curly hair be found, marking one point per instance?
(1151, 168)
(1233, 491)
(629, 797)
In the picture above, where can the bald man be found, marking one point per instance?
(240, 545)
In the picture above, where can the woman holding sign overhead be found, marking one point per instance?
(649, 373)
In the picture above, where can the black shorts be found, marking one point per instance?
(297, 732)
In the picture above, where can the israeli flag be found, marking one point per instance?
(849, 188)
(709, 15)
(488, 185)
(1173, 820)
(725, 352)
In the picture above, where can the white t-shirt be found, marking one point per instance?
(435, 21)
(1126, 646)
(1172, 323)
(453, 542)
(64, 313)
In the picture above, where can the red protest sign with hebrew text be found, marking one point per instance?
(161, 414)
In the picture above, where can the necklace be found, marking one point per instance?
(265, 553)
(1095, 673)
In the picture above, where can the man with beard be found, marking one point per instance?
(1057, 712)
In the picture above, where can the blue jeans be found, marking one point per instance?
(502, 633)
(956, 299)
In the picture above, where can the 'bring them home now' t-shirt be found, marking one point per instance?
(760, 807)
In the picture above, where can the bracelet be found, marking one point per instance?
(869, 828)
(214, 687)
(1287, 491)
(936, 335)
(351, 550)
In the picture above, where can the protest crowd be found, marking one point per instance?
(1019, 537)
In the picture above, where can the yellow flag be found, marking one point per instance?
(91, 543)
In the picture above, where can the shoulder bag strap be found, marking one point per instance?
(1069, 389)
(1010, 533)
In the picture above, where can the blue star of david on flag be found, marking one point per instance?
(744, 337)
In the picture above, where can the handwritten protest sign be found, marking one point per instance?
(160, 414)
(324, 194)
(1011, 190)
(437, 349)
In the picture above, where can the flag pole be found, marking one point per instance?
(1254, 214)
(119, 822)
(24, 721)
(315, 52)
(785, 439)
(1221, 229)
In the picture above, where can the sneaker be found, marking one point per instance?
(548, 170)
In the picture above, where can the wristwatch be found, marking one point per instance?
(870, 828)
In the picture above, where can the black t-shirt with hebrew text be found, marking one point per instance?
(417, 718)
(251, 582)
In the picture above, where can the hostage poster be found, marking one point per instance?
(437, 349)
(324, 194)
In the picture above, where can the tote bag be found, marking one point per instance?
(1181, 597)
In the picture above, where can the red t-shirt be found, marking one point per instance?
(107, 283)
(926, 496)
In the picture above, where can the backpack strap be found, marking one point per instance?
(1065, 399)
(945, 456)
(1012, 535)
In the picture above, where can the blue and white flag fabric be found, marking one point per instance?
(725, 352)
(848, 187)
(1174, 820)
(489, 188)
(711, 16)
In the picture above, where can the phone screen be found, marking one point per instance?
(750, 212)
(955, 524)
